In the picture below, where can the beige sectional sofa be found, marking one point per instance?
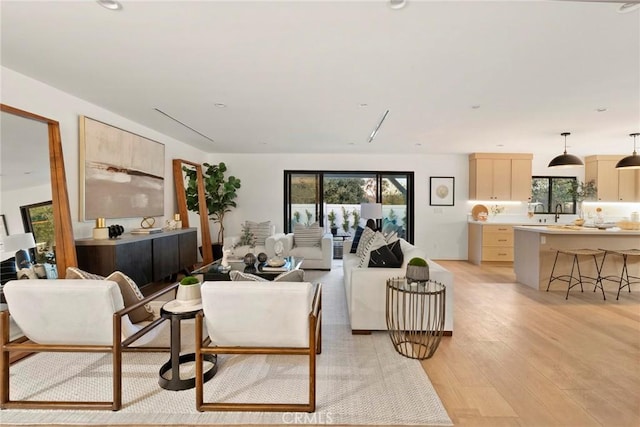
(366, 288)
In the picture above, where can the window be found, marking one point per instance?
(335, 197)
(551, 192)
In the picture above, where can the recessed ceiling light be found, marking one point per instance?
(351, 143)
(629, 7)
(397, 4)
(601, 109)
(110, 4)
(220, 105)
(363, 105)
(499, 145)
(475, 107)
(418, 144)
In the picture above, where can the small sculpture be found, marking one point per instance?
(115, 230)
(225, 257)
(250, 259)
(262, 257)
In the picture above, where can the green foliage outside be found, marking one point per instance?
(43, 231)
(332, 218)
(345, 217)
(344, 191)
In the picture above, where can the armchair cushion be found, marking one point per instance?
(307, 236)
(260, 230)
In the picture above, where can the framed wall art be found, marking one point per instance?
(442, 189)
(121, 173)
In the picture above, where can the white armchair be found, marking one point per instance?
(259, 318)
(73, 316)
(315, 257)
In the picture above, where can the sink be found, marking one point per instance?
(564, 227)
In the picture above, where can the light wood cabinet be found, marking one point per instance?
(500, 176)
(490, 242)
(614, 185)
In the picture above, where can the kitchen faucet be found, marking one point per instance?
(558, 207)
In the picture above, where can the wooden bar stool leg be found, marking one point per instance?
(625, 271)
(599, 276)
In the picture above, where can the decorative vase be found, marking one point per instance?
(250, 259)
(417, 274)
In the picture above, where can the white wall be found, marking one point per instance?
(441, 230)
(31, 95)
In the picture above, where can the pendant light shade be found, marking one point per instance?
(632, 161)
(565, 160)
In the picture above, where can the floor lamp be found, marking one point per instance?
(372, 211)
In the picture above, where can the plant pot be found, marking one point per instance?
(417, 274)
(216, 248)
(334, 230)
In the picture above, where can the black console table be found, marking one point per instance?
(145, 258)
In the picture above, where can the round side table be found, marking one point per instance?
(415, 316)
(170, 377)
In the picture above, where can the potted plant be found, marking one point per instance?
(220, 195)
(189, 291)
(332, 222)
(582, 191)
(417, 270)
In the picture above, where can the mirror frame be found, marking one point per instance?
(65, 242)
(181, 198)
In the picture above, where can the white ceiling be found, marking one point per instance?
(293, 75)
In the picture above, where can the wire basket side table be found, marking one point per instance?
(415, 316)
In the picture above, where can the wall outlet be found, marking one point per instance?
(438, 210)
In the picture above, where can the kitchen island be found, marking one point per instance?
(535, 250)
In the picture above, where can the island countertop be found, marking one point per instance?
(573, 229)
(535, 252)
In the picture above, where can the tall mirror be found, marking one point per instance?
(32, 173)
(179, 180)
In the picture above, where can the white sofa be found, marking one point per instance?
(315, 258)
(366, 288)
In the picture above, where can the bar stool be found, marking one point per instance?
(569, 278)
(624, 275)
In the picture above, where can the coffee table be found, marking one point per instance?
(213, 272)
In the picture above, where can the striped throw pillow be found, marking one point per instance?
(307, 236)
(376, 242)
(366, 236)
(260, 230)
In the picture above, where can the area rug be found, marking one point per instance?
(360, 380)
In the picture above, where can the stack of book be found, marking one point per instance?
(146, 230)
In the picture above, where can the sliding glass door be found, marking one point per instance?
(334, 199)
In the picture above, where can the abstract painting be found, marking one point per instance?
(121, 173)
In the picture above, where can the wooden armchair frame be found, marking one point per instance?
(315, 347)
(22, 344)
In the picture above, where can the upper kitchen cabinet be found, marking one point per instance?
(500, 176)
(614, 185)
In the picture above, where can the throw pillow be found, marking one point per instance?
(307, 236)
(365, 238)
(376, 242)
(260, 230)
(239, 276)
(76, 273)
(389, 256)
(290, 276)
(356, 240)
(131, 295)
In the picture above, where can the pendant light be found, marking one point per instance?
(632, 161)
(565, 160)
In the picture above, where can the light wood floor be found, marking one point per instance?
(521, 357)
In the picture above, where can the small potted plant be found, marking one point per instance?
(417, 271)
(188, 292)
(332, 222)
